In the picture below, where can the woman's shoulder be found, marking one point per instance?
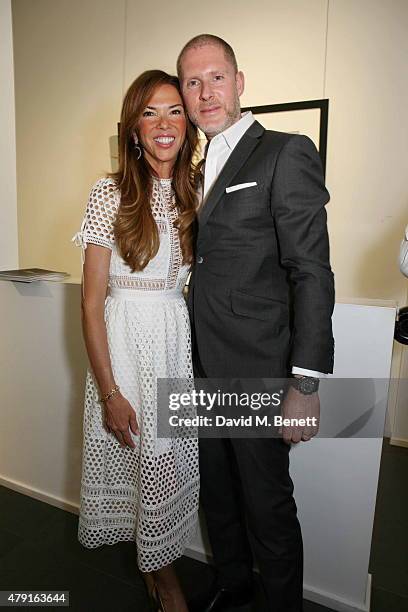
(105, 184)
(105, 191)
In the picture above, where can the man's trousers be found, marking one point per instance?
(247, 497)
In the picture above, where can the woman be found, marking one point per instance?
(137, 233)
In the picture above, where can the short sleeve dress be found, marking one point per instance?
(148, 494)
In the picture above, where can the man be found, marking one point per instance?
(261, 299)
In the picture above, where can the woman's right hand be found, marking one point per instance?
(120, 417)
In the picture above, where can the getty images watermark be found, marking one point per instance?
(224, 399)
(214, 408)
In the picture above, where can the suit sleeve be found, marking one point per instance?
(298, 202)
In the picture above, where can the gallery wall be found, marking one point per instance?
(68, 79)
(74, 60)
(8, 195)
(367, 53)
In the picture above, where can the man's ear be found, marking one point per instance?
(240, 81)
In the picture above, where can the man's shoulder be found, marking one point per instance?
(275, 135)
(283, 138)
(275, 141)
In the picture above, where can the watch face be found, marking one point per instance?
(308, 385)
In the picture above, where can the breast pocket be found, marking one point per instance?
(250, 201)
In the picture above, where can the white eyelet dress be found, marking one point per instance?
(148, 494)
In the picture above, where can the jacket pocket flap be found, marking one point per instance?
(257, 307)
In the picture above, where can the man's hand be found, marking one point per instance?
(297, 406)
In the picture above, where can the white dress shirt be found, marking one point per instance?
(219, 149)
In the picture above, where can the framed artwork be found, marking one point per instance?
(309, 118)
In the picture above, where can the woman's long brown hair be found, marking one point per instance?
(135, 230)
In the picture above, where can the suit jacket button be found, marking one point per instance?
(199, 259)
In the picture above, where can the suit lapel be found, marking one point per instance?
(234, 163)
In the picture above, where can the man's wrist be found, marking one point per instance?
(306, 385)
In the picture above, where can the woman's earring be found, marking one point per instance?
(138, 148)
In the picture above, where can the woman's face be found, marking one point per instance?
(162, 129)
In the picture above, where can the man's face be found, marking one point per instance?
(211, 89)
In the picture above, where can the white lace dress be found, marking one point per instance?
(148, 494)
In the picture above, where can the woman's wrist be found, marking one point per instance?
(114, 390)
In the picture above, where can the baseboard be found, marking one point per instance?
(320, 597)
(337, 603)
(399, 442)
(20, 487)
(387, 433)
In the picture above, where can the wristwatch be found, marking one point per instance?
(305, 384)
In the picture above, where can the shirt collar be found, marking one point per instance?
(232, 135)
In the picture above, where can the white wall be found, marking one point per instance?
(42, 380)
(8, 196)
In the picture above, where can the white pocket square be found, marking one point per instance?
(240, 186)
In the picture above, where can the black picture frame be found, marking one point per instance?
(322, 105)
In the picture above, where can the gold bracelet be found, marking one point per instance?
(111, 393)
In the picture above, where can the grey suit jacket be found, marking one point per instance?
(261, 292)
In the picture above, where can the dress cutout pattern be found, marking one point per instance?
(148, 494)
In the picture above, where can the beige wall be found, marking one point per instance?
(8, 195)
(68, 67)
(75, 58)
(368, 144)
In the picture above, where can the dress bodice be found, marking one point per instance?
(165, 270)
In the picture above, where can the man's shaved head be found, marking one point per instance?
(207, 39)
